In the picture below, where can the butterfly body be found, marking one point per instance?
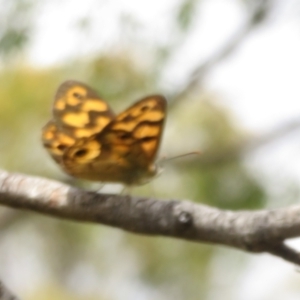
(89, 141)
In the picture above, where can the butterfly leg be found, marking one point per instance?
(101, 186)
(151, 189)
(126, 191)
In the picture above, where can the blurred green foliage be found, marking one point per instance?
(186, 13)
(15, 26)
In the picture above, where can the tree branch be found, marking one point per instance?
(253, 231)
(5, 293)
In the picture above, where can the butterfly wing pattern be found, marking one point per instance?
(88, 141)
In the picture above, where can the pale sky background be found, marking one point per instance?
(259, 83)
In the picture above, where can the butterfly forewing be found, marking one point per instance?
(139, 128)
(79, 111)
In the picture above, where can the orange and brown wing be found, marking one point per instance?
(78, 113)
(136, 133)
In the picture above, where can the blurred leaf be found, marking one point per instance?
(15, 25)
(186, 13)
(12, 40)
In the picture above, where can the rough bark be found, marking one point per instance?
(5, 293)
(253, 231)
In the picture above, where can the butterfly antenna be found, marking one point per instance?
(164, 159)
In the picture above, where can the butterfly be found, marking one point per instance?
(89, 141)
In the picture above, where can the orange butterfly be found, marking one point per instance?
(89, 141)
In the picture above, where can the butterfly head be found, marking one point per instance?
(153, 171)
